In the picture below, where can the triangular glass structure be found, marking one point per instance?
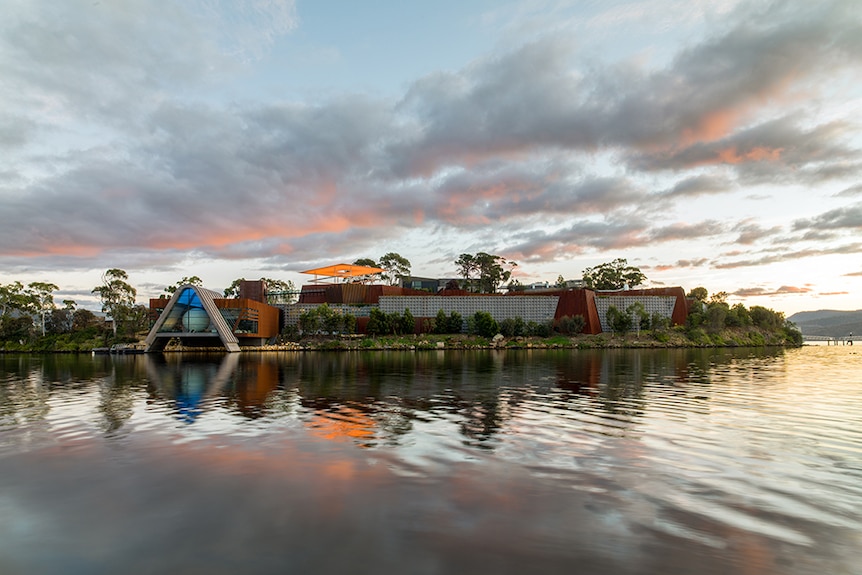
(191, 316)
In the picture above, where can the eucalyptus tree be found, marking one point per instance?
(12, 297)
(396, 267)
(117, 295)
(613, 275)
(467, 268)
(193, 280)
(277, 291)
(494, 271)
(41, 298)
(491, 271)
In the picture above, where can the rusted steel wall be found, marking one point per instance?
(157, 306)
(253, 289)
(580, 302)
(313, 293)
(267, 315)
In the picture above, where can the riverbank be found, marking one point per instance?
(677, 337)
(672, 338)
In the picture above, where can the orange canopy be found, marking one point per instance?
(344, 271)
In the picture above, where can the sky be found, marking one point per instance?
(709, 143)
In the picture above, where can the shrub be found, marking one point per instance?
(407, 322)
(513, 327)
(455, 323)
(378, 322)
(571, 324)
(698, 336)
(765, 318)
(484, 324)
(441, 322)
(620, 322)
(542, 329)
(659, 322)
(716, 313)
(348, 323)
(638, 315)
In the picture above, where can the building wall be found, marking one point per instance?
(533, 305)
(265, 315)
(529, 308)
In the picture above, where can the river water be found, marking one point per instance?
(556, 461)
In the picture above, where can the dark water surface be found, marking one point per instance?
(616, 461)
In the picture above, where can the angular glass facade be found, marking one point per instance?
(187, 315)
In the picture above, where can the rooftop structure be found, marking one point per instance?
(331, 274)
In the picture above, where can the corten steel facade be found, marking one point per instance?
(199, 317)
(550, 305)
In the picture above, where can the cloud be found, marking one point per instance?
(751, 232)
(759, 291)
(695, 263)
(844, 218)
(850, 192)
(700, 185)
(787, 255)
(775, 149)
(122, 152)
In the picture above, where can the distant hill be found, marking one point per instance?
(834, 323)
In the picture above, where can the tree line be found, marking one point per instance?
(30, 317)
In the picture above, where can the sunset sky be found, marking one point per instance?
(710, 143)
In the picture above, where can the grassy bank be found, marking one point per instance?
(671, 338)
(674, 337)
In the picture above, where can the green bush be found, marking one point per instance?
(484, 324)
(698, 336)
(620, 322)
(542, 329)
(570, 325)
(513, 327)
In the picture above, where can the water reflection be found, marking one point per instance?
(554, 461)
(368, 397)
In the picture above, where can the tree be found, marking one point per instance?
(619, 321)
(369, 263)
(232, 291)
(41, 297)
(561, 282)
(467, 267)
(484, 324)
(492, 272)
(378, 323)
(83, 319)
(613, 275)
(194, 280)
(698, 294)
(279, 291)
(12, 297)
(116, 294)
(490, 269)
(639, 315)
(408, 322)
(396, 268)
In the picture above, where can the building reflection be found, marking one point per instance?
(372, 397)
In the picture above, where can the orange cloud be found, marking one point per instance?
(711, 127)
(758, 154)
